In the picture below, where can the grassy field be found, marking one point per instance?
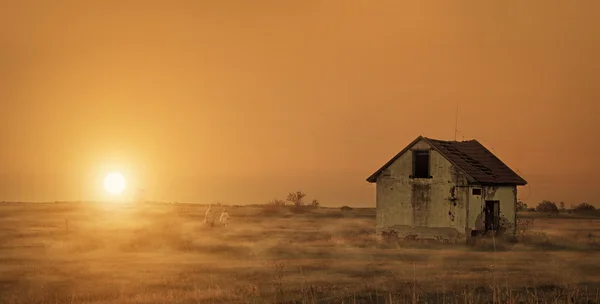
(163, 253)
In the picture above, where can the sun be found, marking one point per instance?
(114, 183)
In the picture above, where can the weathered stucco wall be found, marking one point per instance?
(476, 205)
(507, 195)
(440, 207)
(422, 207)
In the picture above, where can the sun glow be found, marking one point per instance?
(114, 183)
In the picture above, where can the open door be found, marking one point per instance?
(492, 215)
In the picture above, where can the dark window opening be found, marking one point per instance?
(421, 164)
(476, 191)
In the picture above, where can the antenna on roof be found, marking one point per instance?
(456, 123)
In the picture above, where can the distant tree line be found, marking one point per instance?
(551, 207)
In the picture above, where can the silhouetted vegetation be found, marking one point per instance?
(521, 206)
(273, 207)
(547, 206)
(584, 207)
(315, 204)
(296, 198)
(297, 205)
(346, 208)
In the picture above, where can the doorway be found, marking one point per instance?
(492, 215)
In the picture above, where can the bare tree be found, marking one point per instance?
(315, 204)
(296, 198)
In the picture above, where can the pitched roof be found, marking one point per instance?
(471, 157)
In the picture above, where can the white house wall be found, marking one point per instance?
(507, 195)
(422, 207)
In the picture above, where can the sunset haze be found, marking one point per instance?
(244, 101)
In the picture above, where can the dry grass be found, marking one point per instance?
(90, 253)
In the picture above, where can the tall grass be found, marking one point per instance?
(164, 254)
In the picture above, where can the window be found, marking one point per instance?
(476, 191)
(421, 164)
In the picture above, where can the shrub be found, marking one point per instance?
(346, 208)
(547, 206)
(273, 207)
(277, 202)
(315, 204)
(584, 207)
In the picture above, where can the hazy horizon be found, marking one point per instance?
(240, 104)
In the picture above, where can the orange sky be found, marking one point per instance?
(244, 101)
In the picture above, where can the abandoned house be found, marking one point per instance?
(445, 190)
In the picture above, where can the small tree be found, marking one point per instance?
(315, 204)
(547, 206)
(296, 198)
(561, 206)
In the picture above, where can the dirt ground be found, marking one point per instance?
(163, 253)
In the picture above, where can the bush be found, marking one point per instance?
(315, 204)
(346, 208)
(273, 207)
(584, 207)
(547, 206)
(277, 202)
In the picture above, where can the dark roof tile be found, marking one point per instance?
(470, 156)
